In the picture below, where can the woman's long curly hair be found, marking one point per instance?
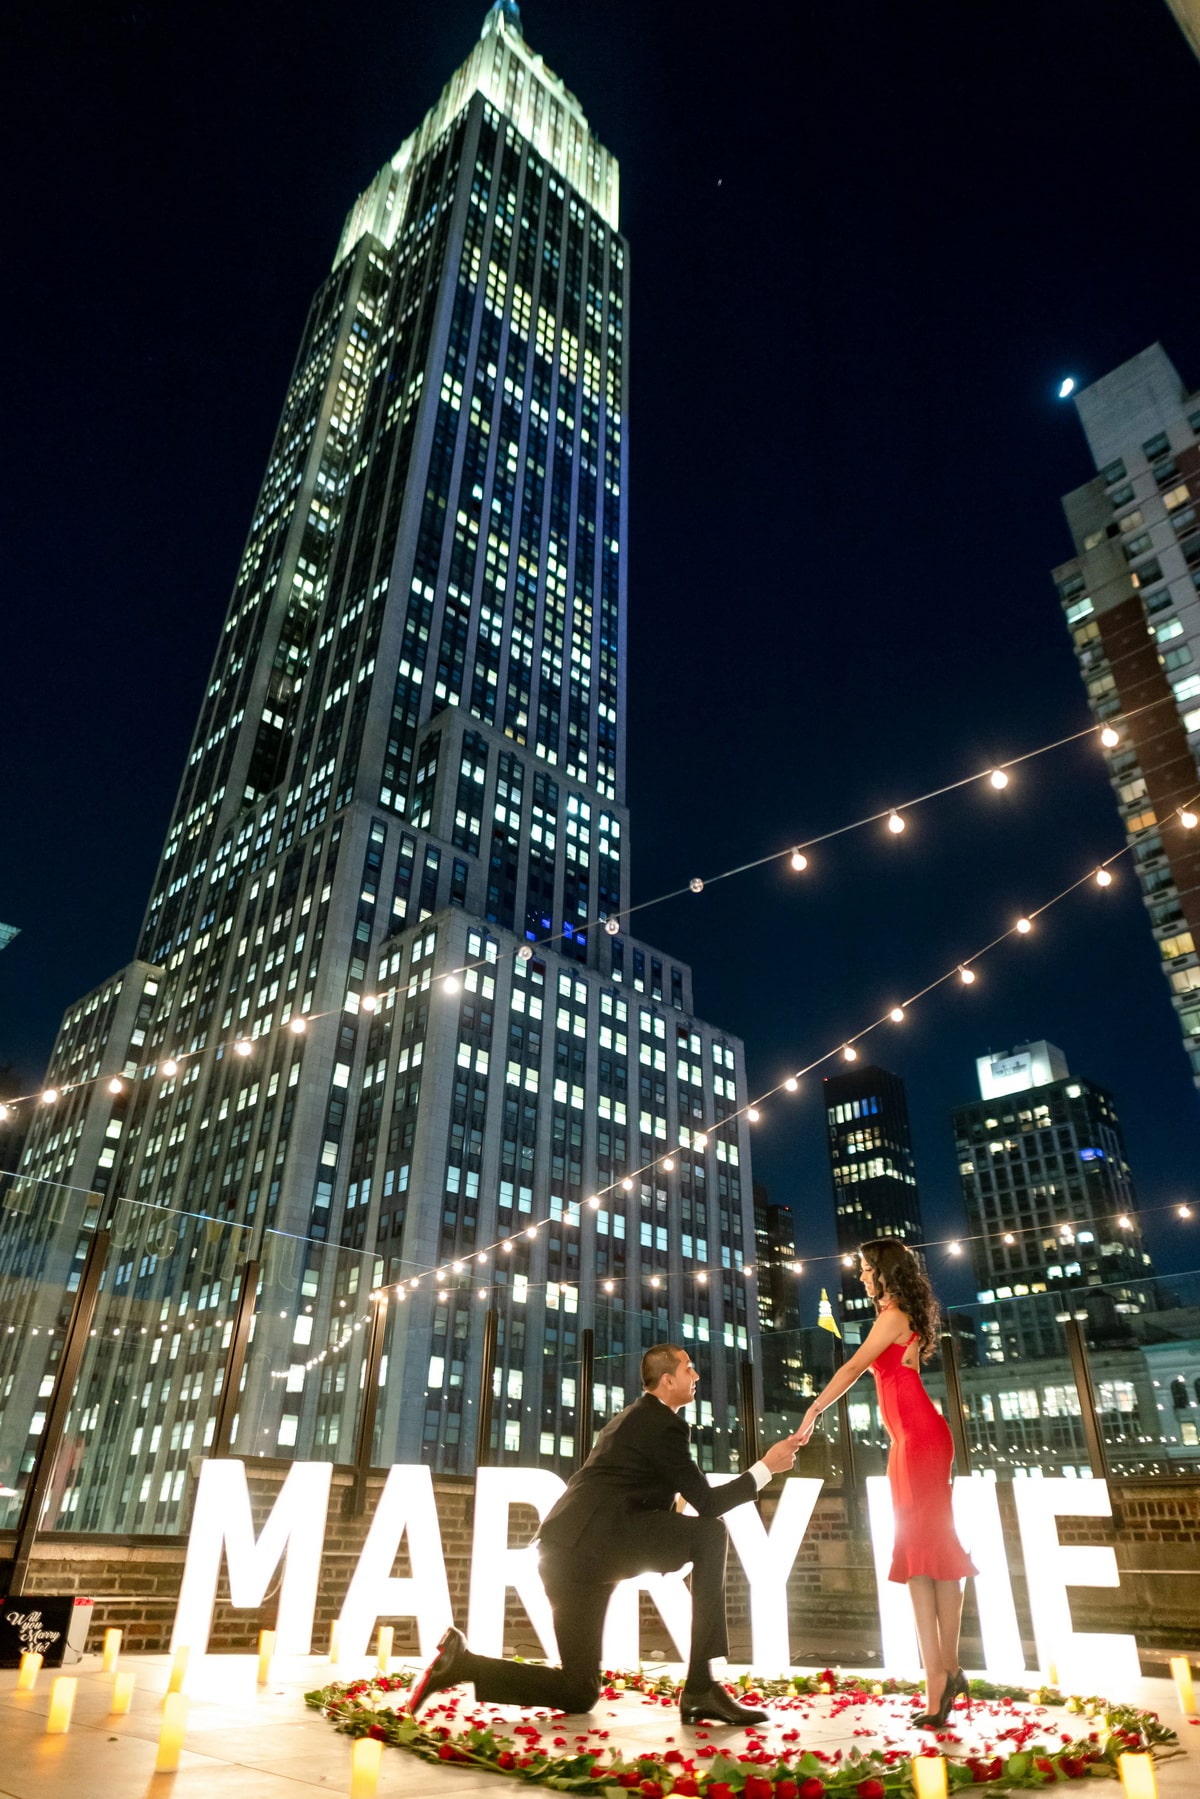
(900, 1277)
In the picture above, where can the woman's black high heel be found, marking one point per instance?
(956, 1683)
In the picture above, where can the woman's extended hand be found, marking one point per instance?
(808, 1424)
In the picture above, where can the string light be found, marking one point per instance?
(797, 1267)
(1188, 819)
(753, 1114)
(1110, 738)
(669, 1164)
(116, 1085)
(49, 1096)
(242, 1047)
(627, 1185)
(998, 778)
(1024, 926)
(895, 823)
(791, 1083)
(897, 1014)
(1125, 1223)
(695, 885)
(799, 861)
(966, 975)
(612, 926)
(368, 1002)
(955, 1249)
(451, 984)
(297, 1027)
(170, 1067)
(1185, 1211)
(1103, 877)
(849, 1053)
(1009, 1238)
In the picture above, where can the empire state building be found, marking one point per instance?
(386, 1028)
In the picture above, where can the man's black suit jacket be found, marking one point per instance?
(640, 1461)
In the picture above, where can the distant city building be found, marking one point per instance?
(1050, 1205)
(7, 933)
(775, 1249)
(387, 1018)
(873, 1169)
(1132, 607)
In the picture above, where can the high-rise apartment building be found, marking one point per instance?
(1050, 1203)
(386, 1018)
(1133, 610)
(873, 1168)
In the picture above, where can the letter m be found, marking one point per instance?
(222, 1525)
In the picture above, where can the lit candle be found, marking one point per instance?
(929, 1776)
(364, 1768)
(335, 1642)
(170, 1737)
(112, 1649)
(62, 1698)
(179, 1662)
(1137, 1776)
(384, 1656)
(122, 1697)
(1051, 1673)
(31, 1667)
(1181, 1674)
(266, 1649)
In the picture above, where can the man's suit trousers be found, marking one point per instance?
(579, 1585)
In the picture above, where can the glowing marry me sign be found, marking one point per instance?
(294, 1535)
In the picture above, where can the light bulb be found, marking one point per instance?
(298, 1027)
(49, 1096)
(532, 1231)
(753, 1114)
(797, 1267)
(966, 976)
(627, 1185)
(170, 1066)
(1125, 1223)
(612, 926)
(1008, 1237)
(524, 954)
(700, 1141)
(482, 1256)
(1024, 926)
(847, 1261)
(791, 1083)
(593, 1202)
(451, 984)
(897, 1014)
(954, 1248)
(1188, 819)
(508, 1249)
(116, 1085)
(1185, 1211)
(608, 1286)
(696, 885)
(415, 1281)
(849, 1053)
(654, 1281)
(749, 1272)
(458, 1267)
(368, 1002)
(799, 861)
(1110, 738)
(895, 823)
(702, 1277)
(482, 1292)
(1103, 878)
(998, 778)
(242, 1048)
(668, 1163)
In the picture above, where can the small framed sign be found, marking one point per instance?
(53, 1624)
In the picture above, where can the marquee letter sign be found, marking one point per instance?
(294, 1535)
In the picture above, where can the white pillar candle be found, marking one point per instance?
(929, 1776)
(266, 1650)
(1181, 1674)
(112, 1649)
(30, 1668)
(384, 1653)
(122, 1696)
(62, 1699)
(1137, 1776)
(170, 1737)
(364, 1768)
(179, 1666)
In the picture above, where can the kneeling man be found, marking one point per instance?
(617, 1518)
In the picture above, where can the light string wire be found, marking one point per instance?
(299, 1022)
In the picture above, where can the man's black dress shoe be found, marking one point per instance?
(698, 1704)
(450, 1667)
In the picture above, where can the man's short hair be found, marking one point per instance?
(662, 1359)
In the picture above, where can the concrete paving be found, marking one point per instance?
(244, 1742)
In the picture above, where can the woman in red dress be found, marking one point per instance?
(928, 1556)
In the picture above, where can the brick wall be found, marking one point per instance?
(832, 1603)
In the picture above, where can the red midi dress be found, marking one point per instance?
(918, 1469)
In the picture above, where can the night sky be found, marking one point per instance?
(868, 241)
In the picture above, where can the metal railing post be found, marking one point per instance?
(748, 1416)
(61, 1395)
(850, 1490)
(235, 1360)
(954, 1403)
(583, 1397)
(1080, 1367)
(364, 1437)
(487, 1376)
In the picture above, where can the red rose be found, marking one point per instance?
(1073, 1766)
(1045, 1767)
(757, 1788)
(812, 1788)
(652, 1789)
(378, 1732)
(629, 1779)
(720, 1789)
(685, 1784)
(786, 1789)
(870, 1789)
(506, 1759)
(448, 1753)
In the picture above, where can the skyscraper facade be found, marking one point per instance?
(1050, 1203)
(1132, 607)
(386, 1026)
(873, 1169)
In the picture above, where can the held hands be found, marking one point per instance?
(807, 1425)
(780, 1457)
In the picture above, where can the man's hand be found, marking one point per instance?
(780, 1457)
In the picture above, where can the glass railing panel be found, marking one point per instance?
(1143, 1340)
(145, 1404)
(45, 1229)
